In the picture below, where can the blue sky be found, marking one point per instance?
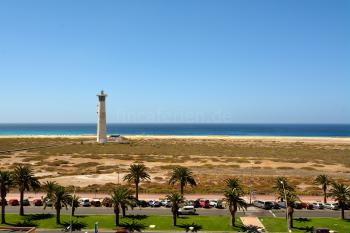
(176, 61)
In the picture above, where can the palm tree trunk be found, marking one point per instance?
(233, 218)
(182, 189)
(174, 218)
(137, 190)
(116, 211)
(58, 215)
(21, 210)
(342, 213)
(3, 211)
(324, 194)
(123, 211)
(73, 210)
(290, 217)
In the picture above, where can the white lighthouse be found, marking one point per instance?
(101, 124)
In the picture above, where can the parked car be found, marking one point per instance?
(318, 205)
(306, 205)
(331, 206)
(267, 205)
(297, 205)
(164, 202)
(204, 203)
(281, 204)
(142, 203)
(275, 205)
(13, 202)
(48, 203)
(154, 203)
(187, 210)
(95, 202)
(25, 202)
(216, 204)
(37, 202)
(107, 202)
(196, 204)
(85, 202)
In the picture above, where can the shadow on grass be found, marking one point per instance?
(76, 225)
(302, 219)
(80, 216)
(195, 227)
(133, 226)
(25, 223)
(34, 217)
(306, 228)
(136, 216)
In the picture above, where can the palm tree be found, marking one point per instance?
(176, 199)
(285, 190)
(6, 182)
(137, 173)
(74, 203)
(340, 193)
(324, 181)
(60, 198)
(49, 187)
(282, 184)
(184, 176)
(120, 199)
(24, 178)
(234, 200)
(233, 183)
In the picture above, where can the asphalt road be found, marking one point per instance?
(252, 211)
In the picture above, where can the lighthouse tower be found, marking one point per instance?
(101, 124)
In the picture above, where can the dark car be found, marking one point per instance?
(196, 204)
(154, 203)
(13, 202)
(96, 203)
(297, 205)
(275, 205)
(25, 202)
(142, 203)
(281, 204)
(37, 202)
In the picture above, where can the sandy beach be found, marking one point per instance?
(211, 137)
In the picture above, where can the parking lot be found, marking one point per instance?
(252, 211)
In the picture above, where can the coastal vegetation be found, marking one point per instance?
(211, 160)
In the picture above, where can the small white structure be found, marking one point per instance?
(101, 124)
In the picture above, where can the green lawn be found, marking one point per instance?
(208, 223)
(306, 225)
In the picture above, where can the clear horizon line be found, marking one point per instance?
(238, 123)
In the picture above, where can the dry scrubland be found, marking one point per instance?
(95, 167)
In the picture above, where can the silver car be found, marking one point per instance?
(187, 210)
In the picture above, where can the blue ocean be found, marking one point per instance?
(301, 130)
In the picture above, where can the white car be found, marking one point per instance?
(331, 206)
(187, 210)
(84, 202)
(213, 203)
(318, 205)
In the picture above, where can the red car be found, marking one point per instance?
(204, 203)
(13, 202)
(305, 205)
(37, 202)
